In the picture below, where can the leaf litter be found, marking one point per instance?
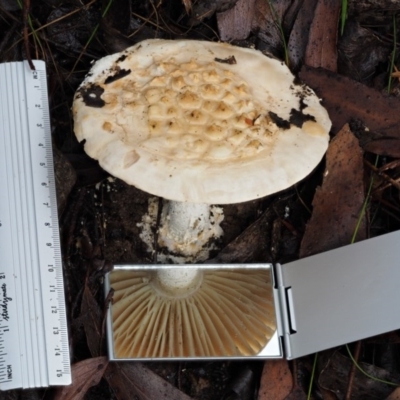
(98, 229)
(338, 202)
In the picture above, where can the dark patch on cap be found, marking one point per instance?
(279, 122)
(91, 95)
(119, 74)
(297, 81)
(297, 117)
(302, 104)
(230, 60)
(122, 58)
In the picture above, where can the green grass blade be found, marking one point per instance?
(343, 16)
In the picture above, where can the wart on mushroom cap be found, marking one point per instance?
(174, 119)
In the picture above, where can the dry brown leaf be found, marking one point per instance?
(384, 147)
(276, 380)
(298, 38)
(337, 204)
(92, 322)
(132, 380)
(346, 99)
(85, 374)
(321, 48)
(235, 24)
(395, 395)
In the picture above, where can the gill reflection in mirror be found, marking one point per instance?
(191, 312)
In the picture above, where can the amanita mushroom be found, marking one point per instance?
(199, 123)
(196, 123)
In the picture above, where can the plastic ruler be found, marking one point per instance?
(34, 349)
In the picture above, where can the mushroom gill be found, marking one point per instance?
(224, 312)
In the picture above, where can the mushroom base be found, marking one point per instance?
(187, 232)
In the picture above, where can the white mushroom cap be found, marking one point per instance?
(200, 121)
(222, 313)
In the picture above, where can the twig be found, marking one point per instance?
(27, 5)
(383, 175)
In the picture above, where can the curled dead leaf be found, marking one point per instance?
(85, 374)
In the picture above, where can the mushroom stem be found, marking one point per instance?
(187, 227)
(179, 281)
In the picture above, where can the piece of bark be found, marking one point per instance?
(85, 374)
(276, 380)
(338, 203)
(321, 48)
(346, 100)
(131, 380)
(235, 24)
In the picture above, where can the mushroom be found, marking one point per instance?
(196, 123)
(199, 123)
(223, 312)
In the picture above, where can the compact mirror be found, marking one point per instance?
(192, 312)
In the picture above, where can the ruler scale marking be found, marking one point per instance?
(45, 195)
(40, 354)
(36, 347)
